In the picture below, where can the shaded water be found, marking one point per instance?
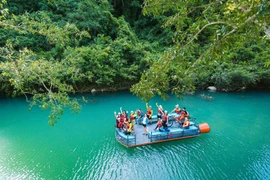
(84, 147)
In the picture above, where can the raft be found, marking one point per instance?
(175, 132)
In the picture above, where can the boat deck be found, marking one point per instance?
(137, 137)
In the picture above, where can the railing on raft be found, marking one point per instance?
(127, 140)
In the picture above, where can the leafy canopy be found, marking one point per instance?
(205, 32)
(52, 49)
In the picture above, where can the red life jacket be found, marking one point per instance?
(131, 117)
(165, 118)
(120, 125)
(122, 118)
(149, 112)
(159, 111)
(183, 112)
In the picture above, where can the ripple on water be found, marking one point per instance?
(260, 164)
(232, 150)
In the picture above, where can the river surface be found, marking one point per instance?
(83, 146)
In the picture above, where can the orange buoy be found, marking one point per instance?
(204, 128)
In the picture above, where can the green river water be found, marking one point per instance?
(83, 146)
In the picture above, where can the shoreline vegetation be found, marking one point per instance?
(51, 49)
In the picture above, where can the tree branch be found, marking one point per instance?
(205, 26)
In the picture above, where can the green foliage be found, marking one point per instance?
(56, 102)
(233, 80)
(21, 6)
(47, 54)
(146, 28)
(52, 49)
(267, 64)
(150, 29)
(264, 78)
(159, 84)
(221, 29)
(109, 61)
(87, 15)
(35, 42)
(41, 81)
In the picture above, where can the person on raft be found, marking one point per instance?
(119, 121)
(124, 115)
(160, 111)
(163, 124)
(159, 125)
(139, 116)
(144, 123)
(183, 114)
(129, 127)
(149, 113)
(176, 110)
(165, 119)
(186, 123)
(132, 116)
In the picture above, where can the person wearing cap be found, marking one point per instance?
(149, 113)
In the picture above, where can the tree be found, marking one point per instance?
(23, 72)
(204, 34)
(48, 54)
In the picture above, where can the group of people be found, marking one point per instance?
(180, 115)
(126, 123)
(123, 122)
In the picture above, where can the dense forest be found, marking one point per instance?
(50, 49)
